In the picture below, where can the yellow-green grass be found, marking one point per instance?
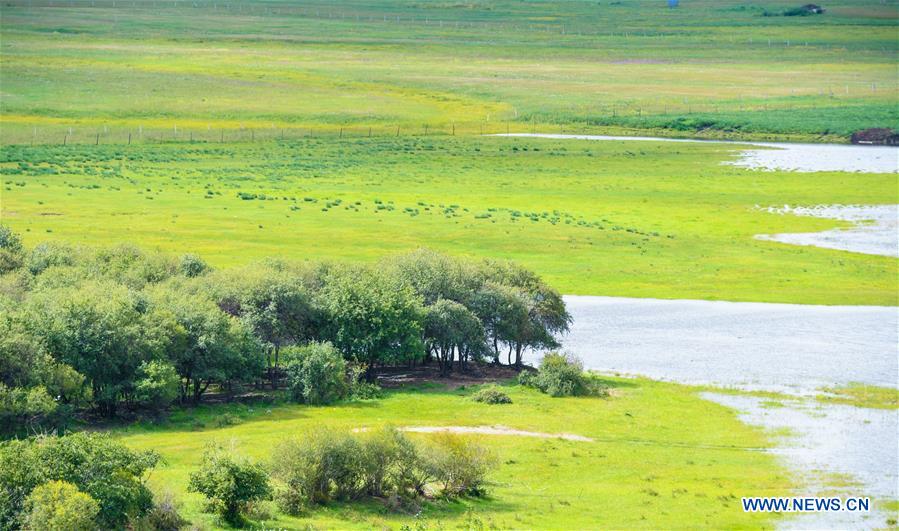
(861, 395)
(118, 66)
(662, 458)
(603, 218)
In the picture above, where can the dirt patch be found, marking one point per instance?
(474, 374)
(490, 430)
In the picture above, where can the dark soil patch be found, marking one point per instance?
(475, 374)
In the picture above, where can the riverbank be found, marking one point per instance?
(775, 156)
(800, 372)
(661, 455)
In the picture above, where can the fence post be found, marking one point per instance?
(98, 140)
(340, 135)
(397, 130)
(129, 139)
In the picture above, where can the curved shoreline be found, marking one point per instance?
(784, 156)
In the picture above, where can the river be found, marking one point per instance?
(789, 348)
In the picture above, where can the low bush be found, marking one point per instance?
(229, 483)
(164, 516)
(491, 395)
(329, 465)
(228, 419)
(60, 506)
(458, 465)
(359, 387)
(323, 466)
(317, 375)
(561, 375)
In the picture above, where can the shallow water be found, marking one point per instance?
(780, 347)
(875, 230)
(780, 155)
(790, 348)
(852, 442)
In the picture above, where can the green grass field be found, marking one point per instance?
(601, 218)
(662, 457)
(350, 130)
(78, 68)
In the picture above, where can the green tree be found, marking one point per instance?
(546, 312)
(158, 384)
(318, 374)
(372, 318)
(280, 313)
(60, 506)
(100, 330)
(205, 345)
(452, 330)
(434, 276)
(229, 483)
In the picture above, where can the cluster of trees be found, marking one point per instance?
(122, 327)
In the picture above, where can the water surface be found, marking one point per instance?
(875, 228)
(779, 155)
(780, 347)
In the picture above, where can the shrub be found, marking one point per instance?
(164, 516)
(103, 468)
(317, 375)
(158, 384)
(330, 465)
(228, 419)
(24, 408)
(560, 375)
(11, 250)
(458, 465)
(492, 395)
(60, 506)
(358, 387)
(192, 265)
(229, 483)
(321, 467)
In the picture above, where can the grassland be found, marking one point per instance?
(661, 457)
(77, 68)
(610, 218)
(861, 395)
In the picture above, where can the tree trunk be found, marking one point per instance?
(273, 373)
